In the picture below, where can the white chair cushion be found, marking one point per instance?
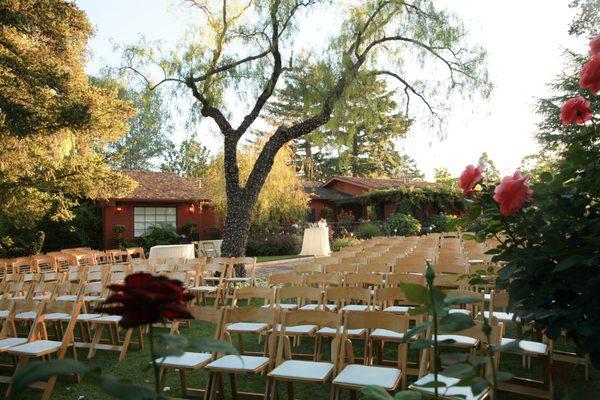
(366, 375)
(303, 370)
(18, 298)
(247, 327)
(298, 329)
(501, 316)
(67, 297)
(186, 360)
(42, 296)
(284, 306)
(239, 363)
(449, 391)
(380, 334)
(330, 307)
(208, 289)
(94, 298)
(110, 319)
(527, 346)
(57, 316)
(397, 309)
(327, 331)
(4, 313)
(458, 340)
(357, 307)
(238, 279)
(26, 315)
(87, 317)
(11, 342)
(37, 348)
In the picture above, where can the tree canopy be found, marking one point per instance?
(191, 158)
(54, 124)
(246, 48)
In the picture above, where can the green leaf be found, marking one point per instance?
(376, 393)
(479, 385)
(461, 300)
(418, 310)
(415, 293)
(417, 330)
(546, 177)
(455, 322)
(39, 371)
(567, 263)
(214, 346)
(421, 344)
(433, 384)
(407, 395)
(171, 345)
(127, 391)
(460, 370)
(508, 347)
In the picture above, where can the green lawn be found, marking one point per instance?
(135, 368)
(277, 258)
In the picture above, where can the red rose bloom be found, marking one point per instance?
(512, 193)
(595, 46)
(470, 177)
(145, 299)
(575, 110)
(589, 78)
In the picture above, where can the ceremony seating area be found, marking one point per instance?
(349, 307)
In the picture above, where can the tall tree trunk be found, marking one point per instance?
(237, 227)
(309, 164)
(354, 156)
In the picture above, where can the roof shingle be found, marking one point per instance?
(166, 186)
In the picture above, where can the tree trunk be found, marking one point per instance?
(237, 227)
(309, 165)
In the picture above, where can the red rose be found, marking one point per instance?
(470, 177)
(589, 78)
(595, 46)
(575, 110)
(145, 299)
(512, 193)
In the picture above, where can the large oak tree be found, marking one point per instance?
(244, 48)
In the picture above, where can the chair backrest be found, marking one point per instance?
(44, 263)
(71, 308)
(364, 280)
(249, 265)
(141, 267)
(121, 267)
(371, 320)
(136, 252)
(320, 318)
(300, 294)
(375, 267)
(390, 296)
(453, 281)
(291, 278)
(23, 265)
(410, 265)
(341, 268)
(472, 306)
(324, 280)
(9, 328)
(208, 314)
(347, 295)
(267, 294)
(308, 268)
(394, 280)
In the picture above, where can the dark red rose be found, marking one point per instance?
(575, 111)
(469, 178)
(589, 77)
(145, 299)
(595, 46)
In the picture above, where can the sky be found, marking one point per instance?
(525, 41)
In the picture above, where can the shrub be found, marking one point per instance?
(159, 234)
(403, 225)
(189, 227)
(342, 242)
(367, 230)
(444, 223)
(273, 245)
(345, 217)
(327, 213)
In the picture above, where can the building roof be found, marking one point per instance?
(379, 183)
(315, 190)
(166, 186)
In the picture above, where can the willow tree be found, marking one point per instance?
(244, 48)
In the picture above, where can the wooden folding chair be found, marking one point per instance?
(44, 348)
(342, 268)
(364, 280)
(114, 343)
(209, 283)
(303, 371)
(394, 280)
(312, 298)
(350, 298)
(324, 280)
(310, 268)
(266, 294)
(243, 320)
(23, 265)
(191, 361)
(375, 267)
(44, 263)
(353, 376)
(286, 279)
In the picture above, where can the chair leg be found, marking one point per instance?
(125, 344)
(162, 374)
(183, 382)
(290, 391)
(208, 393)
(95, 341)
(234, 393)
(221, 386)
(22, 362)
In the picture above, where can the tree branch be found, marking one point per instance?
(407, 87)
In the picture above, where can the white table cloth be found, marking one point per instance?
(315, 242)
(171, 251)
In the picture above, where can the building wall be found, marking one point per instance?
(318, 205)
(205, 218)
(388, 210)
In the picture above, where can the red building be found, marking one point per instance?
(160, 197)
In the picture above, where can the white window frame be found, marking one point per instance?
(145, 216)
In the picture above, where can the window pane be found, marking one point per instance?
(138, 210)
(150, 218)
(159, 210)
(171, 210)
